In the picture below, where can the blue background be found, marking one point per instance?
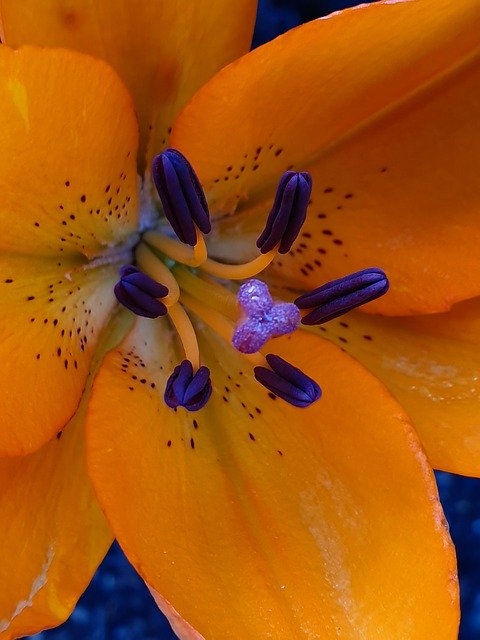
(117, 605)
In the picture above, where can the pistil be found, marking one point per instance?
(264, 318)
(221, 325)
(271, 371)
(210, 292)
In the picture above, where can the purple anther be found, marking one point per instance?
(265, 318)
(187, 389)
(288, 212)
(340, 296)
(139, 293)
(181, 194)
(288, 382)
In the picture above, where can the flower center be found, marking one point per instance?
(175, 276)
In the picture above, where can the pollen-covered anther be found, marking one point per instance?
(288, 212)
(188, 389)
(265, 319)
(139, 293)
(287, 382)
(182, 196)
(340, 296)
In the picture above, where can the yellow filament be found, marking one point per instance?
(239, 271)
(154, 267)
(186, 333)
(200, 249)
(210, 293)
(176, 250)
(220, 324)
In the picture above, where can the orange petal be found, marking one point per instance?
(51, 317)
(68, 184)
(181, 628)
(430, 363)
(53, 535)
(254, 519)
(381, 102)
(163, 50)
(67, 168)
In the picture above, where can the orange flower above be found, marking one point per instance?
(248, 518)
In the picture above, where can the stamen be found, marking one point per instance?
(288, 382)
(288, 212)
(265, 319)
(181, 194)
(188, 389)
(283, 225)
(186, 333)
(138, 293)
(151, 264)
(340, 296)
(189, 385)
(239, 271)
(181, 253)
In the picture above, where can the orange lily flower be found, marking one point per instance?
(251, 518)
